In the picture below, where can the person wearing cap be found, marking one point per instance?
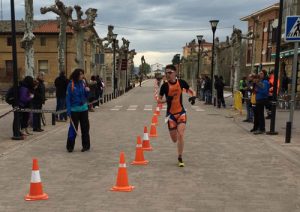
(172, 90)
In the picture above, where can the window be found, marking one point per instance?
(43, 66)
(249, 56)
(268, 54)
(9, 41)
(43, 41)
(9, 67)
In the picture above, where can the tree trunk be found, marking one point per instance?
(62, 44)
(80, 49)
(28, 38)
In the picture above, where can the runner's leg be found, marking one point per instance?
(180, 134)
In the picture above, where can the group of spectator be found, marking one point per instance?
(257, 91)
(31, 94)
(96, 86)
(204, 91)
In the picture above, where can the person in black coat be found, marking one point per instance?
(219, 86)
(38, 101)
(61, 83)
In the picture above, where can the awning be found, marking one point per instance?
(287, 53)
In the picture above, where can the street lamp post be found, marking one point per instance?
(114, 38)
(16, 122)
(126, 58)
(213, 24)
(199, 37)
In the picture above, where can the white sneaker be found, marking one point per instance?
(97, 107)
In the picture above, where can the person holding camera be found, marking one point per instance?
(77, 110)
(172, 90)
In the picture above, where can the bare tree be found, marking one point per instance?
(28, 39)
(65, 15)
(81, 26)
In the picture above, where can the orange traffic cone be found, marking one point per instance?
(139, 154)
(146, 141)
(154, 119)
(153, 132)
(122, 179)
(157, 111)
(36, 188)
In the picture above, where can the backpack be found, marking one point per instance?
(9, 96)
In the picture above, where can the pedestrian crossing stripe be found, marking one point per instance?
(292, 28)
(132, 107)
(150, 108)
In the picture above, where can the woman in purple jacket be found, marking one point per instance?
(25, 97)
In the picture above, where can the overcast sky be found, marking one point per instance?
(150, 24)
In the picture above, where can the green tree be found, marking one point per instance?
(176, 59)
(144, 69)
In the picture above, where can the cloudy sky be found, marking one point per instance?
(157, 29)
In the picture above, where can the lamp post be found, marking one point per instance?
(276, 70)
(114, 38)
(199, 37)
(126, 58)
(16, 122)
(213, 24)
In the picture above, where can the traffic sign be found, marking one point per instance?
(292, 29)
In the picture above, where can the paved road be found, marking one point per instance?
(227, 168)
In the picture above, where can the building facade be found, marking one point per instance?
(45, 51)
(261, 38)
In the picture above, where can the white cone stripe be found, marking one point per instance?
(122, 165)
(35, 177)
(146, 137)
(139, 146)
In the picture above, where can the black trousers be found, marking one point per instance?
(255, 115)
(260, 105)
(83, 119)
(36, 117)
(220, 98)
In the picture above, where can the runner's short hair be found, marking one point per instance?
(171, 66)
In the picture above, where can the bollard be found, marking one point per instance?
(104, 98)
(53, 119)
(288, 132)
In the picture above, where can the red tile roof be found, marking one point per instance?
(50, 27)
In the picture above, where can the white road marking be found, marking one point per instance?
(132, 107)
(148, 107)
(117, 107)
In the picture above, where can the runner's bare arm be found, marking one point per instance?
(160, 100)
(191, 92)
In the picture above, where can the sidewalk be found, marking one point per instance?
(282, 116)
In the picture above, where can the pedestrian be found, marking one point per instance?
(262, 93)
(243, 86)
(38, 101)
(93, 93)
(77, 110)
(141, 79)
(255, 79)
(176, 114)
(61, 83)
(248, 94)
(25, 97)
(202, 85)
(219, 85)
(270, 98)
(207, 90)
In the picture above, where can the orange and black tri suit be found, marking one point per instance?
(175, 109)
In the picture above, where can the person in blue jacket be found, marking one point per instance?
(77, 110)
(262, 93)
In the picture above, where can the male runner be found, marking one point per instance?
(176, 113)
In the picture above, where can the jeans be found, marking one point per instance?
(61, 105)
(249, 111)
(207, 94)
